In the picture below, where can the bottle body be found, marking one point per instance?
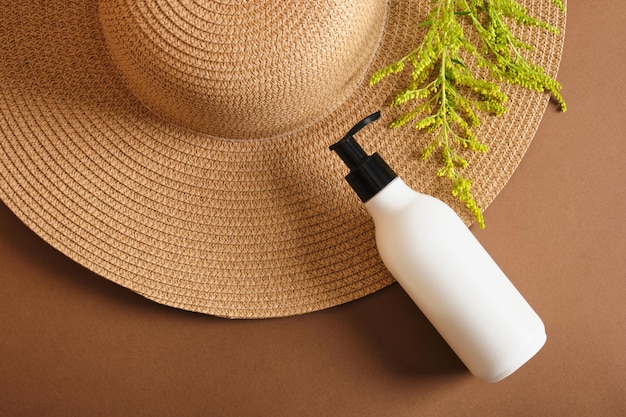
(454, 281)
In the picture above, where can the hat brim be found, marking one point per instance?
(239, 229)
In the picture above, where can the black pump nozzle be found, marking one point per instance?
(348, 149)
(368, 174)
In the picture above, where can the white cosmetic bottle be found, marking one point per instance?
(444, 269)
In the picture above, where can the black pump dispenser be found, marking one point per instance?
(368, 173)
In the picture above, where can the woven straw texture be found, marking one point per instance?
(180, 148)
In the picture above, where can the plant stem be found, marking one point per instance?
(446, 94)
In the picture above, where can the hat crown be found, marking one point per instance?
(242, 69)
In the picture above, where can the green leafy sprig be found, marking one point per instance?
(446, 96)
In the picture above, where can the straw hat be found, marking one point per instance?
(180, 148)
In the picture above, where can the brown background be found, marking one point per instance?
(74, 344)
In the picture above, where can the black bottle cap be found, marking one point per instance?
(368, 173)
